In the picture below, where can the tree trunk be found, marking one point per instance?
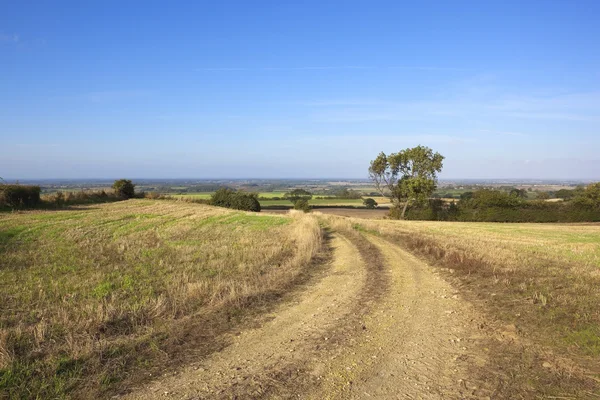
(404, 209)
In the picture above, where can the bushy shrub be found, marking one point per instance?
(370, 203)
(237, 200)
(124, 188)
(302, 205)
(19, 196)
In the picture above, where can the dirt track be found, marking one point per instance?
(379, 323)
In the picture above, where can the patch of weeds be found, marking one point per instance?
(103, 289)
(362, 229)
(127, 283)
(586, 339)
(40, 380)
(7, 235)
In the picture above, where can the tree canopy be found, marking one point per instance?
(370, 203)
(298, 194)
(407, 176)
(124, 188)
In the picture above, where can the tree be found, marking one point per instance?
(592, 192)
(124, 188)
(407, 176)
(346, 193)
(520, 193)
(302, 205)
(370, 203)
(298, 195)
(466, 196)
(543, 195)
(590, 197)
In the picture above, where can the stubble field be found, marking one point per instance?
(89, 294)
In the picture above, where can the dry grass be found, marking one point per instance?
(539, 281)
(89, 295)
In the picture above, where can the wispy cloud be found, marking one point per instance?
(116, 95)
(583, 107)
(333, 67)
(9, 38)
(503, 133)
(381, 138)
(36, 145)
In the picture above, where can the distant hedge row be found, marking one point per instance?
(60, 199)
(22, 196)
(19, 196)
(495, 206)
(236, 200)
(530, 211)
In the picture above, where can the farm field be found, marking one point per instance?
(382, 201)
(208, 194)
(98, 292)
(145, 299)
(539, 282)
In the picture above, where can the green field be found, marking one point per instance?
(315, 202)
(207, 195)
(89, 294)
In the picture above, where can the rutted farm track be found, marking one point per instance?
(378, 323)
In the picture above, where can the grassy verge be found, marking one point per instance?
(541, 285)
(93, 295)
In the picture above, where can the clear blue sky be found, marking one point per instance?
(303, 89)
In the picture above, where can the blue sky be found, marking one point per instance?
(297, 89)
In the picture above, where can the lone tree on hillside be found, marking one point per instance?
(407, 176)
(124, 188)
(298, 195)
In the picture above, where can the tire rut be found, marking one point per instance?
(417, 344)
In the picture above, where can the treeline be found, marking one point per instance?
(16, 197)
(496, 206)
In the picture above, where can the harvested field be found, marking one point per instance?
(158, 299)
(90, 294)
